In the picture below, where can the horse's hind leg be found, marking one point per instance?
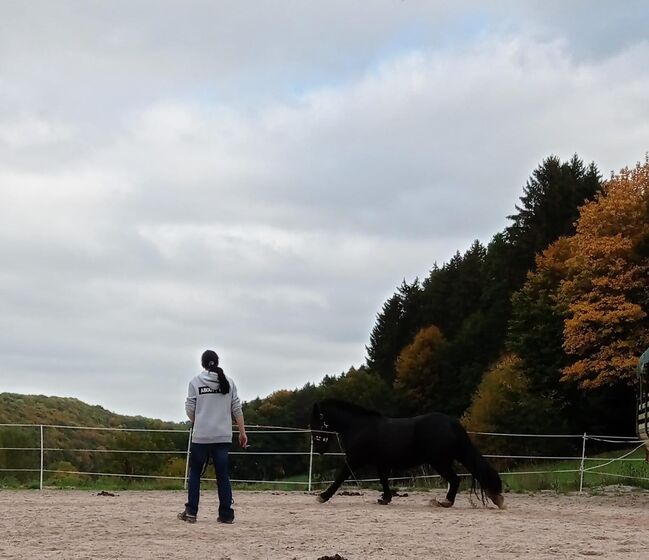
(448, 474)
(342, 475)
(386, 497)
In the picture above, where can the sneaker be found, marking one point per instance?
(222, 520)
(188, 517)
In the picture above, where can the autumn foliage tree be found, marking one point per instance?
(605, 295)
(419, 368)
(501, 390)
(498, 404)
(505, 402)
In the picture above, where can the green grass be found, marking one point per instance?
(630, 473)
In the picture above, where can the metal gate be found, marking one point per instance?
(643, 401)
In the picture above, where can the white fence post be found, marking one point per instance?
(189, 444)
(310, 462)
(42, 453)
(581, 467)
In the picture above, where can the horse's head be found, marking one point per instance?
(320, 430)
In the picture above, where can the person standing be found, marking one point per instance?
(212, 402)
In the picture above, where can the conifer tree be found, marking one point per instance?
(395, 326)
(549, 206)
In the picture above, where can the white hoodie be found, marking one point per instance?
(211, 410)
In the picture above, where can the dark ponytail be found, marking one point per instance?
(224, 384)
(210, 361)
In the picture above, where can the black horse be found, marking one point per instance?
(369, 438)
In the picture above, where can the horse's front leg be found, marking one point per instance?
(342, 476)
(386, 497)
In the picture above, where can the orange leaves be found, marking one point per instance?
(605, 291)
(619, 209)
(610, 365)
(418, 365)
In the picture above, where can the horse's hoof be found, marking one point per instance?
(320, 499)
(443, 503)
(499, 500)
(383, 501)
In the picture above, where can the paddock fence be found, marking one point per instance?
(38, 458)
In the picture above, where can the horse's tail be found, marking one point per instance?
(481, 471)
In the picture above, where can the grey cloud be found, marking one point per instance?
(149, 209)
(124, 53)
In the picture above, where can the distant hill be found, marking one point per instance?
(72, 454)
(39, 409)
(68, 449)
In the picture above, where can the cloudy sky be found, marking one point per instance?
(258, 177)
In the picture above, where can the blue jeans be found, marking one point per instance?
(199, 454)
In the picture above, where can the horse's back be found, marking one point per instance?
(413, 441)
(385, 441)
(440, 434)
(405, 442)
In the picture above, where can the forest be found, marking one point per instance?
(538, 331)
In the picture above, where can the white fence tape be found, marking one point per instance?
(257, 429)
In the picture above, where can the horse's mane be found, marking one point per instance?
(349, 407)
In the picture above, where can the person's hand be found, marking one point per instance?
(243, 439)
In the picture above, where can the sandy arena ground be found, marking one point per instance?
(141, 525)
